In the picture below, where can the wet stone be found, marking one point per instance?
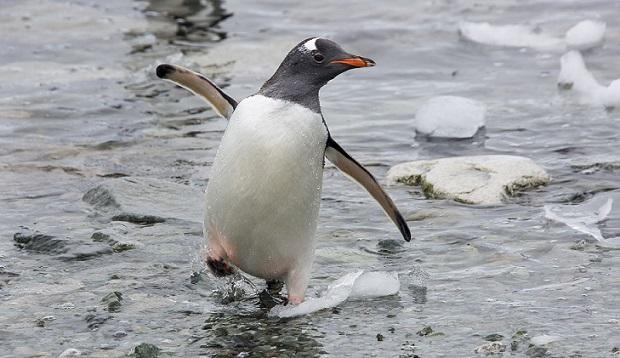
(484, 179)
(491, 348)
(94, 321)
(495, 337)
(113, 301)
(114, 243)
(146, 200)
(66, 249)
(119, 334)
(427, 330)
(390, 246)
(146, 350)
(43, 321)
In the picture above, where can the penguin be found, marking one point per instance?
(264, 191)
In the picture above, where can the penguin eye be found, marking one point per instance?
(318, 57)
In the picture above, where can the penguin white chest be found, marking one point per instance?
(264, 189)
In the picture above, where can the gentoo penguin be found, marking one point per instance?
(264, 191)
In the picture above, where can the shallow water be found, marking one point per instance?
(79, 104)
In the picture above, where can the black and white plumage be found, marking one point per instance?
(263, 195)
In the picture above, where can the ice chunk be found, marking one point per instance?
(544, 339)
(450, 117)
(354, 285)
(586, 34)
(575, 75)
(582, 217)
(509, 35)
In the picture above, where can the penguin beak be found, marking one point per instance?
(355, 61)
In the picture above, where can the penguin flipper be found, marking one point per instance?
(355, 171)
(198, 84)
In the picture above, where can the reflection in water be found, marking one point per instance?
(196, 20)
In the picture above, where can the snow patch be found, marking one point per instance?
(355, 285)
(450, 117)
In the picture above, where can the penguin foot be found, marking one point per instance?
(220, 268)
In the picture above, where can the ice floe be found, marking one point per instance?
(575, 75)
(583, 218)
(450, 117)
(355, 285)
(584, 35)
(509, 36)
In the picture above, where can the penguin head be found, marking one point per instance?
(317, 60)
(308, 67)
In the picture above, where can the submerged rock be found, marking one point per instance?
(486, 179)
(66, 249)
(116, 242)
(113, 301)
(146, 350)
(450, 117)
(146, 200)
(491, 348)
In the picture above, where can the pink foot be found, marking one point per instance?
(295, 300)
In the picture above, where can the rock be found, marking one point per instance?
(586, 34)
(450, 117)
(486, 179)
(94, 321)
(113, 301)
(43, 321)
(146, 200)
(146, 350)
(495, 337)
(425, 331)
(113, 240)
(491, 348)
(71, 352)
(66, 249)
(595, 163)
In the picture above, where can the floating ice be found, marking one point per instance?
(450, 117)
(586, 34)
(509, 35)
(582, 217)
(544, 339)
(575, 75)
(354, 285)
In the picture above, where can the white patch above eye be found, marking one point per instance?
(310, 45)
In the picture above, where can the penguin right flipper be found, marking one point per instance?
(355, 171)
(222, 103)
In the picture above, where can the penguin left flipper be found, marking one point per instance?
(194, 82)
(355, 171)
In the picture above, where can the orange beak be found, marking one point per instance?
(355, 61)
